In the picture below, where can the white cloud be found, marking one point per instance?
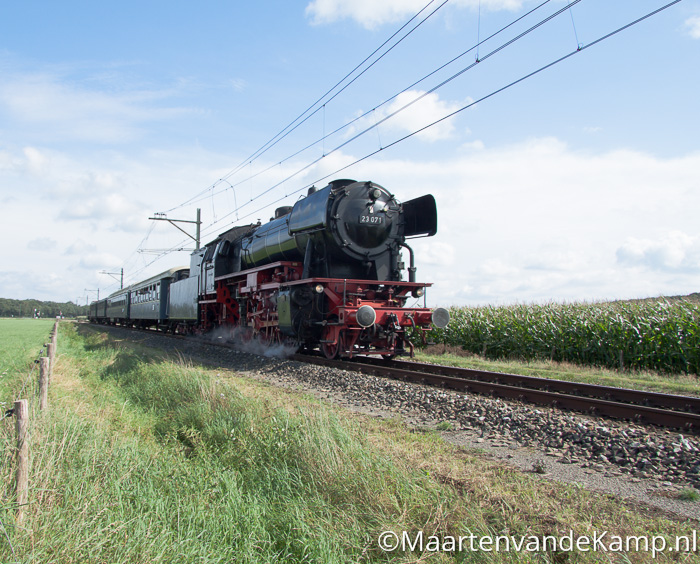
(440, 254)
(497, 268)
(238, 84)
(414, 110)
(533, 221)
(41, 285)
(41, 244)
(32, 160)
(96, 205)
(692, 26)
(367, 13)
(427, 109)
(675, 251)
(99, 207)
(56, 107)
(477, 145)
(80, 247)
(112, 211)
(36, 162)
(99, 261)
(539, 221)
(371, 14)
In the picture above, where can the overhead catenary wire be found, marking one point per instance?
(367, 68)
(580, 48)
(377, 123)
(375, 108)
(301, 119)
(274, 139)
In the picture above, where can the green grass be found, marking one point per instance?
(20, 343)
(689, 494)
(648, 380)
(145, 459)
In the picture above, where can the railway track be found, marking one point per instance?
(665, 410)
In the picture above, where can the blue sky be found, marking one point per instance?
(579, 183)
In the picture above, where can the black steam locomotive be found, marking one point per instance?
(326, 273)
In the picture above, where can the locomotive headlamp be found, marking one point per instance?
(366, 316)
(441, 317)
(375, 193)
(318, 288)
(418, 292)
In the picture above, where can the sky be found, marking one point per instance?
(580, 182)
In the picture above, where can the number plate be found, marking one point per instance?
(372, 219)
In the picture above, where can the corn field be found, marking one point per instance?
(656, 335)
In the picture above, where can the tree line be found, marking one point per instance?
(34, 308)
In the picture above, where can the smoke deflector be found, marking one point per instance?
(420, 217)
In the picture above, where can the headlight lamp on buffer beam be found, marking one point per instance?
(441, 317)
(366, 316)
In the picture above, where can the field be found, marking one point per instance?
(20, 343)
(660, 335)
(141, 458)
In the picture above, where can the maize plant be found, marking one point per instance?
(657, 335)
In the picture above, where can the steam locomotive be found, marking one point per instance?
(325, 273)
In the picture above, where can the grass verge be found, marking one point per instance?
(141, 459)
(685, 384)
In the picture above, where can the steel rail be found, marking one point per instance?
(690, 422)
(622, 395)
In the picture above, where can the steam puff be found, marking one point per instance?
(242, 341)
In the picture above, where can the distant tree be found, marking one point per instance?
(26, 308)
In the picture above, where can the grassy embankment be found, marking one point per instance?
(144, 459)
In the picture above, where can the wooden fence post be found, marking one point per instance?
(51, 354)
(21, 412)
(44, 368)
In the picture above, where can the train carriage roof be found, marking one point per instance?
(170, 273)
